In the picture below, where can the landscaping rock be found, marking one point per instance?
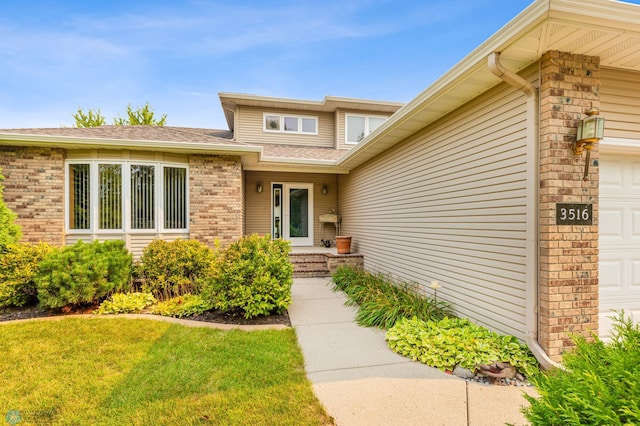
(463, 373)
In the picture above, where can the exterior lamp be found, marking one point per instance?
(325, 189)
(590, 131)
(259, 187)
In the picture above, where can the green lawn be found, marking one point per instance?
(111, 371)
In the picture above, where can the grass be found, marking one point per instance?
(115, 371)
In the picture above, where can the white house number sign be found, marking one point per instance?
(574, 214)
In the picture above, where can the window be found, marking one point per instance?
(360, 126)
(290, 124)
(123, 196)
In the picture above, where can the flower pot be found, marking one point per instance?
(344, 244)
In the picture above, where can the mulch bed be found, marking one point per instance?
(210, 316)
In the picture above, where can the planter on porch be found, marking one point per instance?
(344, 244)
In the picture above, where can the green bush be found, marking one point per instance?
(253, 275)
(126, 303)
(173, 268)
(455, 341)
(182, 306)
(600, 385)
(83, 273)
(382, 302)
(18, 267)
(9, 230)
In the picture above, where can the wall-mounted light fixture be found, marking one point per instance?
(590, 131)
(325, 188)
(259, 187)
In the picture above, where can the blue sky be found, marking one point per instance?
(57, 56)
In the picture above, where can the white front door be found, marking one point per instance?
(297, 225)
(619, 241)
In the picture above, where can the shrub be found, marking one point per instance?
(182, 306)
(83, 273)
(600, 385)
(457, 341)
(126, 303)
(9, 231)
(18, 267)
(173, 268)
(253, 275)
(382, 302)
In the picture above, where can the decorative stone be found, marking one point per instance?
(463, 373)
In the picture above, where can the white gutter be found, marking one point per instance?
(532, 296)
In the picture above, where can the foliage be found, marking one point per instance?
(182, 306)
(117, 371)
(126, 303)
(254, 275)
(18, 267)
(143, 116)
(600, 384)
(90, 119)
(9, 230)
(83, 273)
(454, 341)
(382, 302)
(174, 268)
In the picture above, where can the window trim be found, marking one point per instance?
(281, 118)
(159, 167)
(367, 130)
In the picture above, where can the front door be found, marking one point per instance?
(293, 212)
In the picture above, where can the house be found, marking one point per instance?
(474, 183)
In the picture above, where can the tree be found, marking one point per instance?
(90, 119)
(9, 231)
(143, 116)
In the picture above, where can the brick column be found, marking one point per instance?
(215, 198)
(568, 278)
(34, 190)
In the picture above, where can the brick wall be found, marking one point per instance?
(215, 196)
(34, 190)
(568, 279)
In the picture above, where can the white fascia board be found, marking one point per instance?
(68, 142)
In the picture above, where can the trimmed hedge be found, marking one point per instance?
(18, 268)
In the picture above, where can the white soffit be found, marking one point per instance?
(605, 28)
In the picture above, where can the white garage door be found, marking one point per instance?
(619, 237)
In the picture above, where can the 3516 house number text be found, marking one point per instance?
(574, 214)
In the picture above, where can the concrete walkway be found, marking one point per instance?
(360, 381)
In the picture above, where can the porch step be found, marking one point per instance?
(308, 265)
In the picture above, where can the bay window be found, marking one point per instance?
(110, 196)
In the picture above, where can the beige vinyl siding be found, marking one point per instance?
(341, 125)
(250, 128)
(620, 103)
(134, 242)
(87, 154)
(449, 204)
(258, 205)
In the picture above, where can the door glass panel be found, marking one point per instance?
(299, 212)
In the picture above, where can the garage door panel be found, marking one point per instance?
(611, 220)
(619, 243)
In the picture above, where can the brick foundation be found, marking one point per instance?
(34, 190)
(568, 279)
(215, 196)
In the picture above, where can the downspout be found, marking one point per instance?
(531, 303)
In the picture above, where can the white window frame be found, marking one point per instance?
(126, 197)
(367, 127)
(281, 118)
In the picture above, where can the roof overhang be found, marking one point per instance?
(251, 156)
(604, 28)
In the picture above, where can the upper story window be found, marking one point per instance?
(357, 127)
(284, 123)
(126, 196)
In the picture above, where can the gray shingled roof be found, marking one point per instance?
(183, 134)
